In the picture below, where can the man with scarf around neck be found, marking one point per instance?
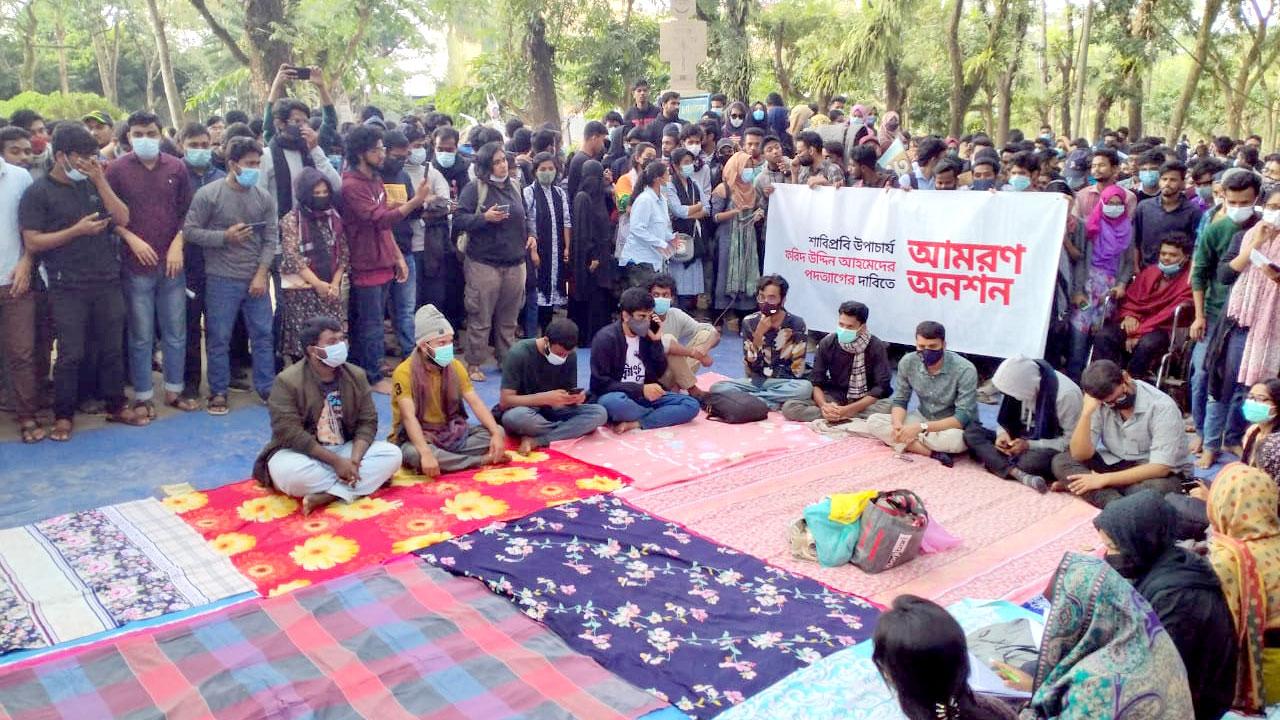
(428, 420)
(1129, 438)
(323, 425)
(1037, 416)
(774, 342)
(850, 373)
(1139, 532)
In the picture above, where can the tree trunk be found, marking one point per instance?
(27, 29)
(780, 69)
(1008, 78)
(1135, 109)
(60, 35)
(1065, 66)
(894, 94)
(266, 30)
(152, 62)
(1046, 107)
(171, 96)
(1238, 96)
(1203, 36)
(106, 51)
(957, 103)
(1106, 99)
(542, 85)
(1082, 75)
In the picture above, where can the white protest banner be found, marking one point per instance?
(982, 264)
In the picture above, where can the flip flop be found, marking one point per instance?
(146, 406)
(218, 405)
(61, 430)
(131, 419)
(185, 404)
(31, 432)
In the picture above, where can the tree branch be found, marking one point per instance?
(221, 32)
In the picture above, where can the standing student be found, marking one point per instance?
(17, 302)
(591, 255)
(549, 223)
(314, 265)
(195, 143)
(67, 217)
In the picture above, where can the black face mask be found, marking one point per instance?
(290, 138)
(805, 160)
(1124, 402)
(392, 166)
(316, 204)
(1123, 565)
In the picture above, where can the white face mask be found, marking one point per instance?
(555, 359)
(335, 354)
(1271, 217)
(1240, 214)
(1113, 211)
(695, 149)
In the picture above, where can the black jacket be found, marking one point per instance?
(831, 367)
(609, 357)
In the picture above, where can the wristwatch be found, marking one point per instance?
(924, 427)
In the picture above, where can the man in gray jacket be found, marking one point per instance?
(235, 222)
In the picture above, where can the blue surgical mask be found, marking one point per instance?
(247, 177)
(844, 336)
(335, 161)
(443, 355)
(856, 122)
(757, 115)
(1257, 412)
(983, 184)
(466, 150)
(687, 170)
(417, 156)
(446, 159)
(661, 305)
(198, 157)
(1205, 192)
(1148, 178)
(748, 174)
(871, 119)
(335, 354)
(1018, 183)
(1169, 270)
(75, 175)
(145, 148)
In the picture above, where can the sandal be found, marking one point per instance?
(218, 405)
(61, 430)
(474, 373)
(31, 432)
(130, 416)
(185, 404)
(146, 406)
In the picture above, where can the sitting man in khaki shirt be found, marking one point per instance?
(688, 342)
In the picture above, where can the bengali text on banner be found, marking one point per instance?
(983, 264)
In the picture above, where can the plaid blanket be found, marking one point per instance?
(87, 572)
(696, 623)
(279, 549)
(400, 641)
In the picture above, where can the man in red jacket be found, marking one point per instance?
(1140, 326)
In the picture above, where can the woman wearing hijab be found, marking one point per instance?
(738, 264)
(890, 130)
(1104, 655)
(314, 261)
(799, 120)
(1181, 587)
(758, 116)
(735, 121)
(592, 260)
(1107, 258)
(1244, 551)
(858, 124)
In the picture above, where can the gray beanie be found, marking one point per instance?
(429, 323)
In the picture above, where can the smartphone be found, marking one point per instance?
(1188, 485)
(654, 325)
(302, 73)
(504, 208)
(257, 225)
(575, 391)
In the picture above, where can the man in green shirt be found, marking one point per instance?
(541, 400)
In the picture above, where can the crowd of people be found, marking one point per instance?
(260, 255)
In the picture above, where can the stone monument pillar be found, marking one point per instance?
(682, 43)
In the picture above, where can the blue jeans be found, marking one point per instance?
(224, 299)
(773, 391)
(670, 409)
(1199, 384)
(404, 301)
(368, 307)
(151, 297)
(1224, 423)
(547, 424)
(529, 315)
(1077, 353)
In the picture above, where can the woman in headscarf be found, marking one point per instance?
(890, 130)
(314, 261)
(799, 118)
(1138, 531)
(758, 116)
(734, 203)
(735, 121)
(1108, 237)
(858, 124)
(592, 260)
(1244, 551)
(1104, 655)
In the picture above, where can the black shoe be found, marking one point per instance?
(944, 458)
(240, 384)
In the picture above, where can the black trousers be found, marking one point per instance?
(1065, 466)
(193, 371)
(982, 447)
(1108, 344)
(88, 321)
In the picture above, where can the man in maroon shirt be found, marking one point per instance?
(157, 189)
(367, 217)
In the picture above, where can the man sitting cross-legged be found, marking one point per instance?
(323, 424)
(850, 373)
(1040, 410)
(428, 419)
(688, 342)
(541, 401)
(946, 386)
(774, 342)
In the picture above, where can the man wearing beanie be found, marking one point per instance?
(428, 419)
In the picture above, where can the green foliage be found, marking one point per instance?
(600, 65)
(56, 106)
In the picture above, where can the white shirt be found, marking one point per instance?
(633, 368)
(14, 181)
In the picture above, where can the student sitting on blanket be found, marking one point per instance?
(1040, 410)
(946, 386)
(627, 360)
(428, 420)
(688, 342)
(850, 373)
(1130, 438)
(541, 401)
(323, 424)
(774, 342)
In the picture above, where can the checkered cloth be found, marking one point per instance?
(88, 572)
(399, 641)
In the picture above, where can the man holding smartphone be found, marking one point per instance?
(541, 401)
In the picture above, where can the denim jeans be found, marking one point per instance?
(156, 298)
(1077, 353)
(547, 424)
(226, 298)
(1199, 385)
(670, 409)
(529, 315)
(1224, 423)
(773, 391)
(368, 307)
(403, 303)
